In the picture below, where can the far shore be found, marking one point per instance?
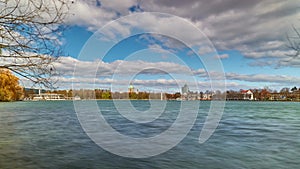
(153, 99)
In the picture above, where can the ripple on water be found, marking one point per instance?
(250, 135)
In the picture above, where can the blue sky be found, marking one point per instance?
(249, 38)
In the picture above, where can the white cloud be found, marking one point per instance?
(272, 45)
(85, 13)
(289, 61)
(269, 53)
(223, 56)
(205, 50)
(120, 67)
(85, 76)
(116, 5)
(157, 48)
(283, 79)
(256, 28)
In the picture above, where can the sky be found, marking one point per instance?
(160, 45)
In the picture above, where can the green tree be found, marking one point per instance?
(106, 95)
(294, 89)
(133, 95)
(9, 86)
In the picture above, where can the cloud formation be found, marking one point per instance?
(255, 28)
(67, 66)
(104, 77)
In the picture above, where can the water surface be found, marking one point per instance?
(250, 135)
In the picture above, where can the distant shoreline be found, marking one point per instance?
(155, 100)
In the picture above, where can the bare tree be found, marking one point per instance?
(30, 33)
(294, 42)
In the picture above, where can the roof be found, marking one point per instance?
(246, 91)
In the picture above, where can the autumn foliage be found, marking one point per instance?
(9, 86)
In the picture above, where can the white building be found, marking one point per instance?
(248, 95)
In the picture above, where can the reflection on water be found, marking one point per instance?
(250, 135)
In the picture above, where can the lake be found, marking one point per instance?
(250, 135)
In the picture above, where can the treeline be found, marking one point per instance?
(107, 94)
(10, 90)
(285, 94)
(266, 94)
(104, 94)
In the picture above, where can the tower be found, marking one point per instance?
(130, 88)
(185, 89)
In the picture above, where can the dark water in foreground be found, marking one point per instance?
(250, 135)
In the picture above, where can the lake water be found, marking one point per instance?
(250, 135)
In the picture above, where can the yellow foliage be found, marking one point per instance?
(9, 86)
